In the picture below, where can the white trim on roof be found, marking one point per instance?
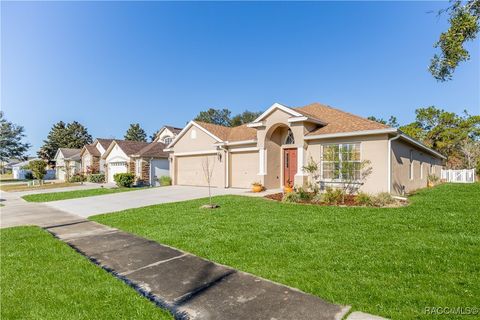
(421, 145)
(188, 126)
(273, 108)
(349, 134)
(235, 143)
(305, 118)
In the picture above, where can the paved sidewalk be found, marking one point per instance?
(189, 286)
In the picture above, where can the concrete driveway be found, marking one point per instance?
(85, 207)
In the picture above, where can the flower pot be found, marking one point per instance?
(257, 188)
(287, 189)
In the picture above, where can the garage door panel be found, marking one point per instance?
(114, 168)
(243, 169)
(190, 172)
(159, 168)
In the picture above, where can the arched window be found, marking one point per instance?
(290, 139)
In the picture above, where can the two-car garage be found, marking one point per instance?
(242, 171)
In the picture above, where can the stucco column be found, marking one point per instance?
(300, 177)
(262, 165)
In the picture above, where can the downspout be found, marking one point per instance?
(150, 172)
(389, 163)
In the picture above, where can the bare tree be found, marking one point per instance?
(471, 151)
(208, 166)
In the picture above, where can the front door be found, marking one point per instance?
(289, 166)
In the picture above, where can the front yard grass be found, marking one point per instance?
(392, 262)
(54, 196)
(43, 278)
(25, 187)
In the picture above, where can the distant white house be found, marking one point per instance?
(20, 173)
(67, 163)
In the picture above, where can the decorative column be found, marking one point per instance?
(300, 177)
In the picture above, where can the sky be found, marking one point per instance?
(109, 64)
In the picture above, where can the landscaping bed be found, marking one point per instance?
(349, 200)
(392, 262)
(43, 278)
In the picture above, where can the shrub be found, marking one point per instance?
(363, 199)
(124, 179)
(332, 196)
(77, 178)
(291, 197)
(165, 181)
(96, 178)
(39, 168)
(383, 199)
(433, 179)
(29, 175)
(303, 194)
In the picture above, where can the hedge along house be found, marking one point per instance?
(274, 149)
(91, 156)
(67, 163)
(147, 161)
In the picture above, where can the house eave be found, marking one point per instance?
(351, 133)
(306, 119)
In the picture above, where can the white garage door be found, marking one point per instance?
(61, 174)
(159, 167)
(114, 168)
(190, 171)
(243, 169)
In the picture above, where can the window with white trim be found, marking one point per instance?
(138, 167)
(334, 158)
(421, 170)
(167, 140)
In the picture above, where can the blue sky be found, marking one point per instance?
(109, 64)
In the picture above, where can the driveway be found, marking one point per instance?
(90, 206)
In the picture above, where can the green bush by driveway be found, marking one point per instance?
(394, 262)
(43, 278)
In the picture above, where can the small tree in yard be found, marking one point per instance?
(39, 169)
(208, 166)
(347, 169)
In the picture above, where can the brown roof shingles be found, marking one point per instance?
(239, 133)
(337, 121)
(105, 143)
(131, 147)
(92, 150)
(153, 150)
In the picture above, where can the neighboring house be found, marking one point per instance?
(147, 161)
(67, 163)
(91, 156)
(275, 147)
(19, 172)
(167, 134)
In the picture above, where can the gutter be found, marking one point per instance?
(389, 162)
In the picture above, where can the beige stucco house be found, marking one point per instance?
(67, 163)
(91, 156)
(146, 160)
(275, 147)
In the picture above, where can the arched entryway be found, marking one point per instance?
(281, 157)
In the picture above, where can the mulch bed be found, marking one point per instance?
(349, 200)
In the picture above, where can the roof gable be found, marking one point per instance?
(274, 107)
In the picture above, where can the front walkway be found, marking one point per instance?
(189, 286)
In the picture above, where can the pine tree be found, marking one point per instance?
(136, 133)
(11, 135)
(72, 135)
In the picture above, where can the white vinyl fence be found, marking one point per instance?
(460, 176)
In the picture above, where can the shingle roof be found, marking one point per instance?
(175, 130)
(105, 143)
(154, 150)
(238, 133)
(92, 150)
(337, 120)
(131, 147)
(70, 153)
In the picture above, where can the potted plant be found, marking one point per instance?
(432, 180)
(257, 187)
(288, 187)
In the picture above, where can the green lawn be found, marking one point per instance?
(43, 278)
(392, 262)
(54, 196)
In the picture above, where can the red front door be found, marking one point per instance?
(289, 166)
